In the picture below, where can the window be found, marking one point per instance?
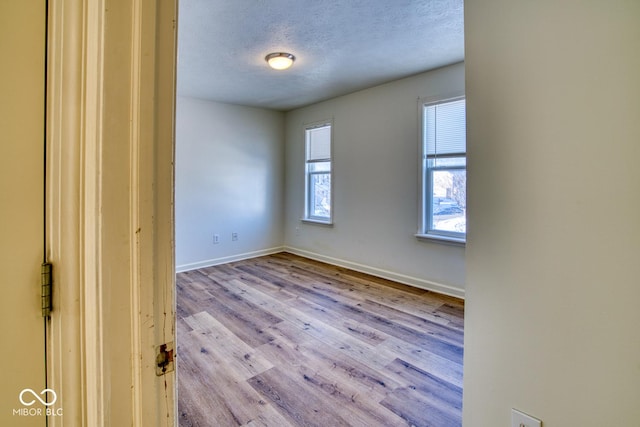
(444, 170)
(318, 173)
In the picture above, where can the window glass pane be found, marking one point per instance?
(320, 195)
(449, 200)
(318, 172)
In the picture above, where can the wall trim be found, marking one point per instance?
(102, 340)
(227, 259)
(416, 282)
(378, 272)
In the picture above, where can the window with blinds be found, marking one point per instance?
(444, 170)
(318, 173)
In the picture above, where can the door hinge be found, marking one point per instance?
(47, 283)
(164, 359)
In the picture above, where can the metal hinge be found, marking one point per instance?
(47, 283)
(164, 359)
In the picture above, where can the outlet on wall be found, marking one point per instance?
(234, 237)
(216, 239)
(520, 419)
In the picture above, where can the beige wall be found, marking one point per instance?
(21, 172)
(553, 250)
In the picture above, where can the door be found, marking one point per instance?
(22, 46)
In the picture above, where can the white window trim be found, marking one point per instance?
(424, 205)
(306, 217)
(440, 238)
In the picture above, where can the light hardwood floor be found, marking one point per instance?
(285, 341)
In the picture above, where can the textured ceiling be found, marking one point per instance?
(340, 46)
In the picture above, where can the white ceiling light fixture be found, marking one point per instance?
(280, 60)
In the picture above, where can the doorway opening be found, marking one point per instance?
(272, 305)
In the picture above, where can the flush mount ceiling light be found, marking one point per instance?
(280, 60)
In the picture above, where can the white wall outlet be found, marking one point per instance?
(520, 419)
(234, 237)
(216, 239)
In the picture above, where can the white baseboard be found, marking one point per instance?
(378, 272)
(385, 274)
(224, 260)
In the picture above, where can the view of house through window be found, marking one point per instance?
(318, 173)
(444, 169)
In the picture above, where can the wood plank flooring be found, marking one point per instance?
(282, 341)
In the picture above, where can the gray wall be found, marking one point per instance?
(229, 163)
(375, 180)
(553, 271)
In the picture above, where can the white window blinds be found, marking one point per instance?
(445, 128)
(319, 144)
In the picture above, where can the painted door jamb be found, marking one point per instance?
(110, 194)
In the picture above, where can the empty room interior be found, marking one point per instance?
(334, 265)
(320, 270)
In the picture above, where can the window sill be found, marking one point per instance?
(447, 240)
(317, 222)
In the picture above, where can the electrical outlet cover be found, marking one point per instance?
(520, 419)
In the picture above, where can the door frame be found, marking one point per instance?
(110, 144)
